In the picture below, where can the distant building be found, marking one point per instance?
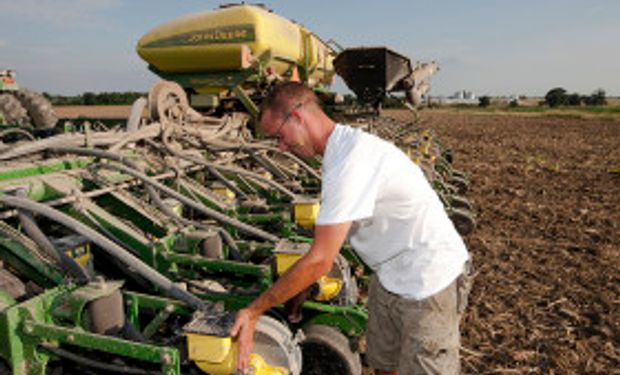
(459, 97)
(463, 95)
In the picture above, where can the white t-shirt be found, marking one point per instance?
(400, 227)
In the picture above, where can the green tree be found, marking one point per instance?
(574, 99)
(556, 97)
(89, 98)
(484, 101)
(598, 97)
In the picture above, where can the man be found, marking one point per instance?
(372, 192)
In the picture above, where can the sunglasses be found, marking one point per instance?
(287, 117)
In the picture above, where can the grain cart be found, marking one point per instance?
(23, 107)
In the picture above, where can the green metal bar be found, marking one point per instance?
(350, 320)
(16, 173)
(246, 101)
(20, 258)
(139, 301)
(262, 272)
(112, 203)
(157, 321)
(167, 357)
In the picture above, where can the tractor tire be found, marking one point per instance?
(12, 110)
(39, 108)
(327, 351)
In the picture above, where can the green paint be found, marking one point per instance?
(216, 35)
(15, 173)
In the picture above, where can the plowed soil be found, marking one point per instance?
(546, 250)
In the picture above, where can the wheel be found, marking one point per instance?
(38, 107)
(463, 221)
(327, 351)
(275, 343)
(349, 294)
(168, 103)
(457, 201)
(461, 184)
(12, 110)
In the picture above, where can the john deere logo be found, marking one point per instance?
(218, 35)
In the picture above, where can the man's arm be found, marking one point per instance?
(328, 240)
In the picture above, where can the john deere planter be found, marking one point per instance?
(129, 249)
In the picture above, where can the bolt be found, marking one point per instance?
(70, 338)
(169, 308)
(166, 359)
(28, 328)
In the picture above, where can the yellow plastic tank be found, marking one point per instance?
(220, 40)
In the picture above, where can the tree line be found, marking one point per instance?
(560, 97)
(91, 98)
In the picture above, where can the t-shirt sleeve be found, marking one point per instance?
(350, 187)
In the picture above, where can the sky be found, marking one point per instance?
(490, 47)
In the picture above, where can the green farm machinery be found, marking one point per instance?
(129, 249)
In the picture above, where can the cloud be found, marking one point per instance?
(57, 13)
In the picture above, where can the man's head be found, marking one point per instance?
(292, 113)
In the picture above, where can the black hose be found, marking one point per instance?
(111, 248)
(94, 363)
(197, 206)
(131, 170)
(238, 171)
(286, 154)
(130, 332)
(18, 131)
(67, 264)
(232, 246)
(242, 172)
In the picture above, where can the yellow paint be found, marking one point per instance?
(306, 213)
(284, 261)
(218, 356)
(329, 288)
(260, 367)
(224, 192)
(215, 40)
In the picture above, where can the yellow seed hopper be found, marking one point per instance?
(216, 50)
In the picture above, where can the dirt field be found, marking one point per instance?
(547, 292)
(92, 111)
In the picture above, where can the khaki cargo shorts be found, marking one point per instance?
(416, 337)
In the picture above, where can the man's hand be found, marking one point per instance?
(315, 263)
(243, 330)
